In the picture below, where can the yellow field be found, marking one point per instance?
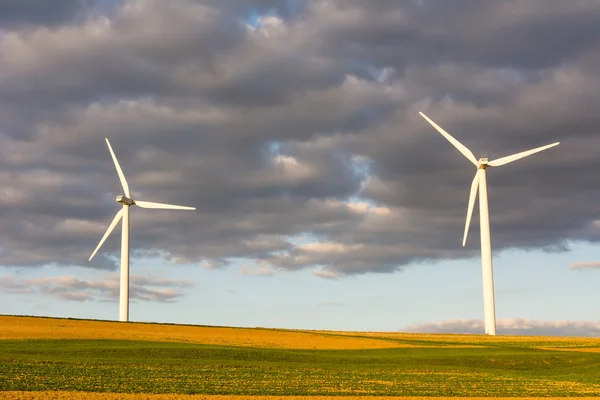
(49, 328)
(12, 328)
(580, 349)
(118, 396)
(557, 343)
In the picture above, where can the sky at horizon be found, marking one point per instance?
(324, 201)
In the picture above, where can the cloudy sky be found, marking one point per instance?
(324, 200)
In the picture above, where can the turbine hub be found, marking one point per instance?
(125, 200)
(483, 163)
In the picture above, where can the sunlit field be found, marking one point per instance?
(120, 396)
(50, 358)
(51, 328)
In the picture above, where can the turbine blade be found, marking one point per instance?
(459, 146)
(149, 204)
(112, 225)
(505, 160)
(119, 171)
(472, 197)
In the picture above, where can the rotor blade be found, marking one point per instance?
(149, 204)
(472, 197)
(112, 225)
(459, 146)
(119, 171)
(515, 157)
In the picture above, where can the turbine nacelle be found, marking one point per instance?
(482, 163)
(126, 201)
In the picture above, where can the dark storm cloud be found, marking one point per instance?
(28, 13)
(293, 127)
(532, 34)
(245, 9)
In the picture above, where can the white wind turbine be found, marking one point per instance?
(123, 214)
(484, 217)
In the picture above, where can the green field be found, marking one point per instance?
(513, 368)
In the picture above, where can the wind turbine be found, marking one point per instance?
(123, 214)
(484, 217)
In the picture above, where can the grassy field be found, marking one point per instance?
(58, 355)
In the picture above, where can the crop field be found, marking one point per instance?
(45, 358)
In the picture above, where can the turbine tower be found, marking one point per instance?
(123, 214)
(480, 182)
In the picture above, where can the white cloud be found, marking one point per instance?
(359, 207)
(271, 26)
(585, 265)
(292, 168)
(67, 287)
(260, 270)
(9, 284)
(512, 326)
(323, 247)
(327, 274)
